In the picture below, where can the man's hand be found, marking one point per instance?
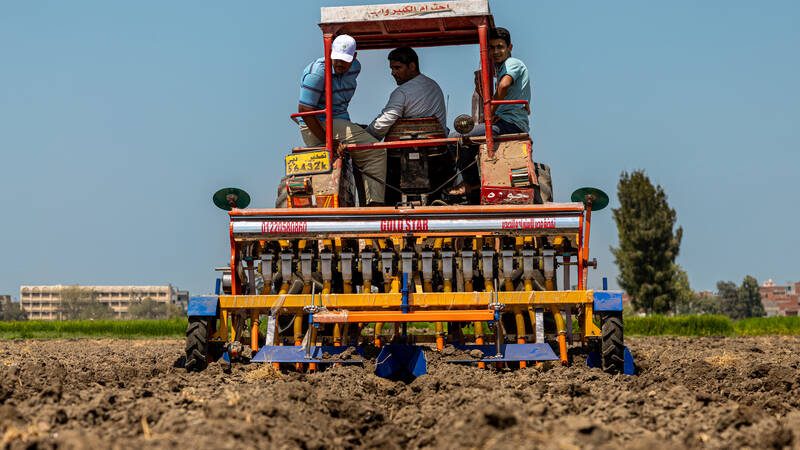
(478, 84)
(313, 123)
(339, 147)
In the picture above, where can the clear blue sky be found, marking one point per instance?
(118, 120)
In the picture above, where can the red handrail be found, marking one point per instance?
(307, 113)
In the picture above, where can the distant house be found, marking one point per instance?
(780, 300)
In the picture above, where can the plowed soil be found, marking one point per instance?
(689, 392)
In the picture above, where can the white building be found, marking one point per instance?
(44, 302)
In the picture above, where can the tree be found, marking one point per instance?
(80, 303)
(684, 295)
(648, 244)
(10, 311)
(728, 294)
(750, 298)
(740, 302)
(151, 309)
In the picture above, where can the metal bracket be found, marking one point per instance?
(286, 266)
(266, 268)
(508, 263)
(447, 264)
(326, 265)
(466, 263)
(346, 258)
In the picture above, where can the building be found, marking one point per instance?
(43, 302)
(780, 300)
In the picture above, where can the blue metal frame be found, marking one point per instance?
(297, 354)
(203, 306)
(399, 361)
(509, 352)
(608, 300)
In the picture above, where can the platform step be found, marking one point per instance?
(297, 354)
(508, 352)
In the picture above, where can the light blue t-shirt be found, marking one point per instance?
(312, 88)
(519, 90)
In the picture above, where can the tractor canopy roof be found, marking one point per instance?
(422, 24)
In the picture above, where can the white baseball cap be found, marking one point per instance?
(344, 48)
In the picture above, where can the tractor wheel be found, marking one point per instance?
(612, 343)
(282, 197)
(196, 344)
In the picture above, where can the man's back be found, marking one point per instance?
(417, 97)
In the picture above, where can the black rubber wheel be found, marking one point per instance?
(282, 198)
(612, 343)
(196, 344)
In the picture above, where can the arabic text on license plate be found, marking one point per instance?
(308, 162)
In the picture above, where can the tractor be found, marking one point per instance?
(321, 281)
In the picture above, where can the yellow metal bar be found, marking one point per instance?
(254, 330)
(479, 339)
(378, 330)
(520, 321)
(589, 328)
(312, 367)
(298, 335)
(562, 333)
(440, 335)
(337, 335)
(275, 365)
(420, 300)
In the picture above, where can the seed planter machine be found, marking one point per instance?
(322, 282)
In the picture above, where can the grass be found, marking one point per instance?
(656, 325)
(126, 329)
(708, 325)
(756, 326)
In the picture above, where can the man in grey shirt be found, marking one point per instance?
(416, 95)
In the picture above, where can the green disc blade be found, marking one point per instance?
(229, 198)
(599, 198)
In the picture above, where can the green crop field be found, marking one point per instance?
(176, 328)
(768, 325)
(129, 329)
(709, 326)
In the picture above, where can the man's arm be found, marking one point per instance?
(502, 89)
(312, 122)
(391, 112)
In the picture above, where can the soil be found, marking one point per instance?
(702, 392)
(450, 353)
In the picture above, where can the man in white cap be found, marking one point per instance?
(343, 84)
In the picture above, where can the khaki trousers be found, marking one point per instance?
(372, 161)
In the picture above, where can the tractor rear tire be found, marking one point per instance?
(282, 199)
(612, 343)
(196, 344)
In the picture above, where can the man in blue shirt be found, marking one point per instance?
(343, 84)
(512, 83)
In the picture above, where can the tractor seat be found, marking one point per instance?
(420, 128)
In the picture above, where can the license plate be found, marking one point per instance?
(307, 163)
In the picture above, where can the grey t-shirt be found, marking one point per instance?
(417, 97)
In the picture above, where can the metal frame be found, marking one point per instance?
(268, 228)
(413, 16)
